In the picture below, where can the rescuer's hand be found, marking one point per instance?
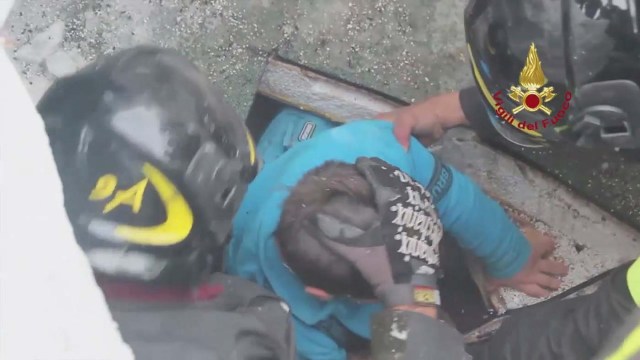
(398, 252)
(426, 120)
(541, 275)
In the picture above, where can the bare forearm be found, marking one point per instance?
(448, 111)
(458, 108)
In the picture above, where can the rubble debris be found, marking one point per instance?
(61, 64)
(42, 45)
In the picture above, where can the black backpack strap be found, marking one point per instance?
(441, 180)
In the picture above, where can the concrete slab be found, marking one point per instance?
(603, 176)
(589, 240)
(307, 90)
(230, 40)
(405, 48)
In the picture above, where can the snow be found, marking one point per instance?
(50, 305)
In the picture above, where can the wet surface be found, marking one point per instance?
(229, 40)
(604, 177)
(405, 48)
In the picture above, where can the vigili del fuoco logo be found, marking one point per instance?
(531, 95)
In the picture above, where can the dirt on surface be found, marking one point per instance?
(407, 48)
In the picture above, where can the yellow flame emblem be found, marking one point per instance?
(531, 79)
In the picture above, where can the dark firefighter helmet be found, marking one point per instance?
(558, 70)
(153, 164)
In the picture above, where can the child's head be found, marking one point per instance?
(338, 189)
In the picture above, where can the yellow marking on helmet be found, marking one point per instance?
(179, 219)
(489, 97)
(633, 281)
(252, 148)
(105, 186)
(629, 348)
(132, 197)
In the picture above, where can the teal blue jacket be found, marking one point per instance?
(477, 222)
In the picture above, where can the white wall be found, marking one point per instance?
(50, 305)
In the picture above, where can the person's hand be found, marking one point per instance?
(427, 120)
(395, 248)
(540, 276)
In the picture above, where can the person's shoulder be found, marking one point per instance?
(364, 130)
(368, 124)
(380, 134)
(252, 315)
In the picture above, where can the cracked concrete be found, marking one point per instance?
(407, 48)
(229, 40)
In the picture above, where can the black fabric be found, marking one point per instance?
(620, 337)
(574, 329)
(476, 114)
(245, 322)
(342, 336)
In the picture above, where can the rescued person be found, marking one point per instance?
(329, 300)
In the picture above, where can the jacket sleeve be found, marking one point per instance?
(575, 328)
(473, 108)
(477, 114)
(398, 334)
(481, 226)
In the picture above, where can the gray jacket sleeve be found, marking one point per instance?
(245, 322)
(572, 329)
(400, 335)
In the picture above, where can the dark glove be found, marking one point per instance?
(396, 250)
